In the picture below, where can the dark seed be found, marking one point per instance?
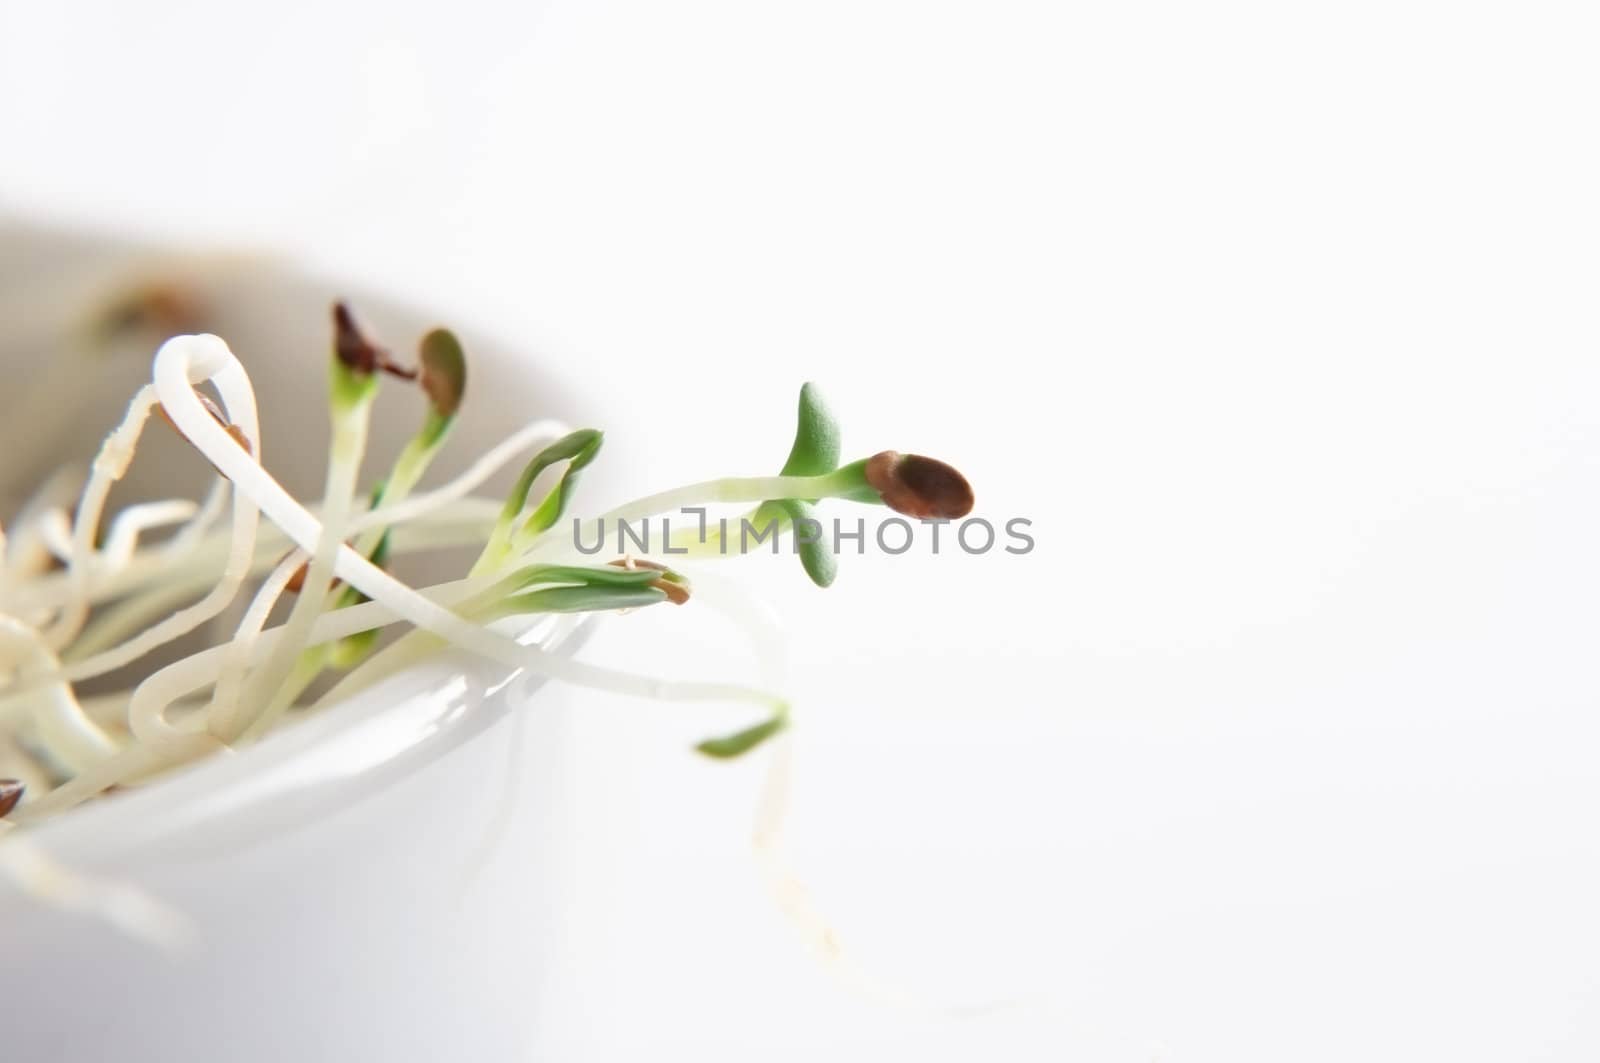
(10, 794)
(359, 351)
(444, 371)
(351, 343)
(919, 487)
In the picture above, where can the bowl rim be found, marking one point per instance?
(349, 753)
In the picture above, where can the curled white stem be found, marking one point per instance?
(182, 362)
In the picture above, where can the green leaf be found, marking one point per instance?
(555, 503)
(584, 576)
(815, 557)
(581, 599)
(741, 742)
(563, 449)
(579, 448)
(816, 437)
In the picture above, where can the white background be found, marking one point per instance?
(1279, 322)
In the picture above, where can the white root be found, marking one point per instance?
(109, 466)
(71, 736)
(181, 363)
(134, 521)
(344, 466)
(27, 553)
(222, 715)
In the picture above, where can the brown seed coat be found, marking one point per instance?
(10, 793)
(920, 487)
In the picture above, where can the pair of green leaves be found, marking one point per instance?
(578, 449)
(815, 453)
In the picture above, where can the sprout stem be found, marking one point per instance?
(603, 529)
(224, 716)
(67, 734)
(180, 363)
(109, 466)
(350, 423)
(133, 522)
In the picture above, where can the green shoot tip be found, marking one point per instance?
(670, 583)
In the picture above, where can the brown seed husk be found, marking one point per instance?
(11, 791)
(358, 350)
(676, 593)
(920, 487)
(234, 431)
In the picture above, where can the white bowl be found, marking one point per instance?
(369, 884)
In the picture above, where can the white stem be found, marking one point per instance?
(26, 554)
(344, 466)
(460, 523)
(132, 763)
(109, 466)
(224, 716)
(180, 363)
(408, 469)
(66, 732)
(133, 522)
(732, 489)
(480, 470)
